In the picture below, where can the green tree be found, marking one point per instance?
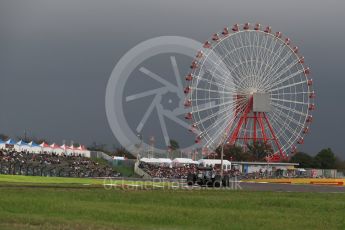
(304, 160)
(98, 147)
(3, 137)
(340, 164)
(174, 145)
(233, 153)
(122, 152)
(259, 150)
(325, 159)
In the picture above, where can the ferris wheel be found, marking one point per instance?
(249, 84)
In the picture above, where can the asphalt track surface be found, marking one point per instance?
(264, 186)
(291, 187)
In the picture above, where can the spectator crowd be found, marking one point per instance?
(50, 164)
(167, 171)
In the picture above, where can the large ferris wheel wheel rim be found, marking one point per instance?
(212, 46)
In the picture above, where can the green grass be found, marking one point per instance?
(125, 170)
(16, 180)
(84, 207)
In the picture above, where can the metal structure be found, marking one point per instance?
(257, 89)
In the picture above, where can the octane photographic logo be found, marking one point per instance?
(162, 184)
(144, 96)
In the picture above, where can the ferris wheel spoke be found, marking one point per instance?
(215, 106)
(284, 140)
(220, 130)
(222, 86)
(288, 109)
(274, 59)
(262, 54)
(208, 90)
(280, 122)
(180, 111)
(245, 52)
(207, 118)
(287, 86)
(292, 93)
(236, 56)
(230, 62)
(287, 68)
(274, 70)
(291, 119)
(265, 57)
(289, 101)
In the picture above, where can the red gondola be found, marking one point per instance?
(194, 65)
(215, 37)
(189, 77)
(268, 29)
(198, 139)
(199, 54)
(187, 90)
(207, 44)
(301, 60)
(188, 103)
(235, 28)
(300, 141)
(306, 130)
(309, 119)
(189, 116)
(257, 26)
(306, 71)
(225, 31)
(310, 82)
(246, 26)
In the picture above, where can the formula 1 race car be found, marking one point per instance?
(208, 177)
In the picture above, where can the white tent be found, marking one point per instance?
(213, 162)
(2, 144)
(34, 148)
(9, 144)
(67, 150)
(119, 158)
(56, 149)
(181, 161)
(82, 151)
(150, 160)
(22, 146)
(46, 148)
(165, 161)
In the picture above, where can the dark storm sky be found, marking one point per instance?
(56, 57)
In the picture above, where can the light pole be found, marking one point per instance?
(140, 143)
(222, 155)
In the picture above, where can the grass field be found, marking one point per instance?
(43, 206)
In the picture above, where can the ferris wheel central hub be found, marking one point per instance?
(261, 102)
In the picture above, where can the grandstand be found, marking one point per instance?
(51, 164)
